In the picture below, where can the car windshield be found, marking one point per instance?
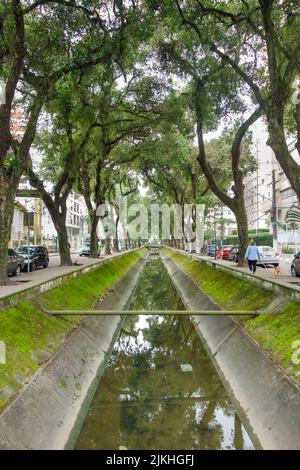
(266, 249)
(23, 250)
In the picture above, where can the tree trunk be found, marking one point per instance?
(277, 142)
(59, 220)
(63, 241)
(94, 253)
(116, 245)
(116, 238)
(7, 197)
(107, 246)
(242, 228)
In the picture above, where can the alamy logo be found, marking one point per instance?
(296, 92)
(157, 222)
(296, 354)
(2, 353)
(2, 92)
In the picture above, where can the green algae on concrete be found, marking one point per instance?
(228, 291)
(275, 331)
(31, 337)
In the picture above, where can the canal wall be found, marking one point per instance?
(266, 399)
(54, 364)
(276, 286)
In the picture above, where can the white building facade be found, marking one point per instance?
(258, 185)
(268, 191)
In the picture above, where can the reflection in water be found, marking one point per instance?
(160, 389)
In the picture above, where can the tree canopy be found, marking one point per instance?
(133, 87)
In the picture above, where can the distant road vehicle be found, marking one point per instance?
(86, 250)
(38, 256)
(224, 251)
(268, 256)
(234, 254)
(211, 250)
(295, 267)
(15, 263)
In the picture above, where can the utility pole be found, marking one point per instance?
(274, 212)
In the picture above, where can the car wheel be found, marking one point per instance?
(33, 267)
(17, 272)
(46, 264)
(294, 272)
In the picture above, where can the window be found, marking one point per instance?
(287, 193)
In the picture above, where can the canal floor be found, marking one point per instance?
(160, 389)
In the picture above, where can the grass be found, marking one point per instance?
(31, 337)
(274, 331)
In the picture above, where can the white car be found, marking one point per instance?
(268, 256)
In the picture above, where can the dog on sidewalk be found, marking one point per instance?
(276, 272)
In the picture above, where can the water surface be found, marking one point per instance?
(160, 389)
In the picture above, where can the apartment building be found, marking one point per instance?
(43, 230)
(268, 189)
(258, 185)
(77, 220)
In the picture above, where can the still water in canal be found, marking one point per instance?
(160, 389)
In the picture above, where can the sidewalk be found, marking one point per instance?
(40, 276)
(56, 253)
(262, 273)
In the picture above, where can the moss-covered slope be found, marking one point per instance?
(274, 331)
(31, 336)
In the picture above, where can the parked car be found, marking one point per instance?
(86, 249)
(15, 263)
(211, 250)
(268, 256)
(223, 252)
(295, 267)
(233, 254)
(38, 256)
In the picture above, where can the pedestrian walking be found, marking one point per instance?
(252, 255)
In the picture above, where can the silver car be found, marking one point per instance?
(268, 256)
(15, 263)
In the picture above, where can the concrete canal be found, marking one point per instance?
(160, 389)
(168, 381)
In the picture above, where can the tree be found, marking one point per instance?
(259, 41)
(62, 147)
(125, 183)
(170, 167)
(236, 202)
(40, 42)
(215, 97)
(124, 115)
